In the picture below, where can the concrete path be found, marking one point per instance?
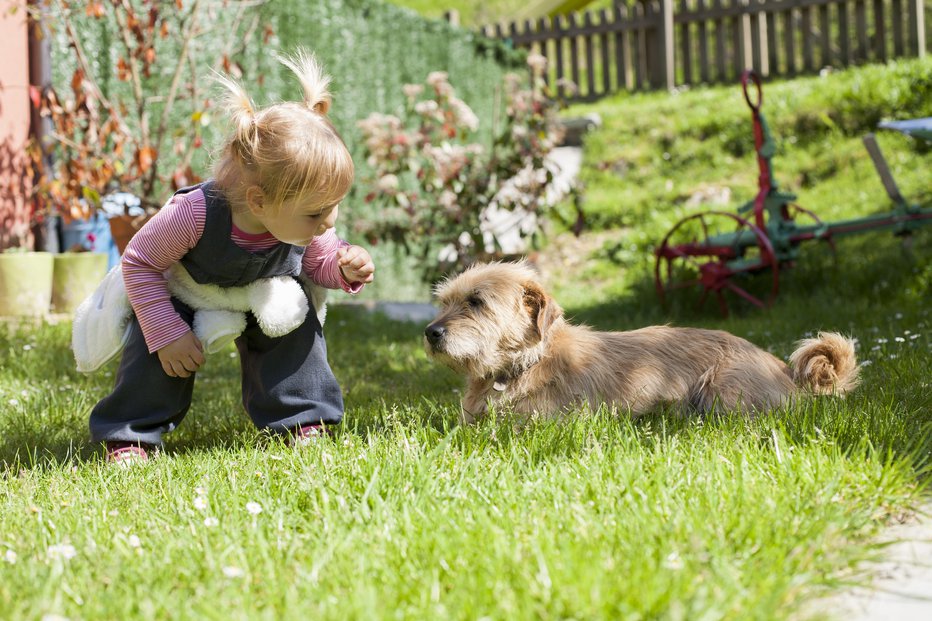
(901, 588)
(415, 312)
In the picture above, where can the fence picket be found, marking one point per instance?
(590, 65)
(622, 48)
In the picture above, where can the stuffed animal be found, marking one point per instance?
(101, 322)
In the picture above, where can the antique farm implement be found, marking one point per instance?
(712, 250)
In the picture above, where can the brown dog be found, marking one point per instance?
(500, 328)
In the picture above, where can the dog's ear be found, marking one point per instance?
(542, 308)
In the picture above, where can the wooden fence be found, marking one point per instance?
(668, 43)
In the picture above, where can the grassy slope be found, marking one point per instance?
(407, 515)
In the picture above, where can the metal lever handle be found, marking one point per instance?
(880, 163)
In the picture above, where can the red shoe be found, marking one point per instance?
(125, 452)
(307, 434)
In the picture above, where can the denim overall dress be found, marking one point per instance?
(286, 381)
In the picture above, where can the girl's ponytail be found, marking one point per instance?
(243, 115)
(313, 79)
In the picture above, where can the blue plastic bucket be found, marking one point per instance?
(92, 234)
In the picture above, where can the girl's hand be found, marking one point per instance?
(182, 357)
(356, 264)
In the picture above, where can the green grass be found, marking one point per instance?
(407, 515)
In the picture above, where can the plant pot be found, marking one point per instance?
(123, 227)
(75, 277)
(25, 283)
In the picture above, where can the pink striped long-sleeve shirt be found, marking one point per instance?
(175, 230)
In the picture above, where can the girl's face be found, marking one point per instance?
(297, 223)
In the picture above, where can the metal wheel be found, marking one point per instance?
(707, 250)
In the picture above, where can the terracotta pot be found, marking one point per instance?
(25, 283)
(75, 277)
(123, 227)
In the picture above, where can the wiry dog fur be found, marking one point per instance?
(499, 328)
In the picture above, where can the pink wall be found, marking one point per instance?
(14, 126)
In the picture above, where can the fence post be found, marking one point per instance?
(452, 16)
(666, 62)
(746, 51)
(919, 36)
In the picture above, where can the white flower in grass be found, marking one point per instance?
(133, 541)
(210, 522)
(10, 557)
(899, 315)
(233, 572)
(875, 348)
(913, 337)
(63, 551)
(27, 347)
(900, 339)
(673, 561)
(14, 402)
(254, 508)
(200, 503)
(881, 340)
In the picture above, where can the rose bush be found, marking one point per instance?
(448, 199)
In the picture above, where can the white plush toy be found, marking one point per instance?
(101, 322)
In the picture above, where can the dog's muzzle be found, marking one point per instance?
(434, 334)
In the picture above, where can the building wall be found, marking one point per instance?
(14, 126)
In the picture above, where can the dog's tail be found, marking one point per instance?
(826, 364)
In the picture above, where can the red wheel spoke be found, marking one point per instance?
(747, 296)
(722, 303)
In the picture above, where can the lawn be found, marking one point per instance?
(405, 514)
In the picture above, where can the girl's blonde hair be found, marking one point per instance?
(286, 149)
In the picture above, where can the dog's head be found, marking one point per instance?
(493, 316)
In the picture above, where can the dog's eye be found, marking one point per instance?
(474, 301)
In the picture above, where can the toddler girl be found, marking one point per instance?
(269, 211)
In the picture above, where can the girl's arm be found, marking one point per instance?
(161, 242)
(321, 263)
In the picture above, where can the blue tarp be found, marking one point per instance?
(917, 128)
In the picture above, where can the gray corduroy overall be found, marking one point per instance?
(286, 381)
